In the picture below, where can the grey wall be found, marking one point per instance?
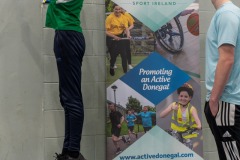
(31, 119)
(21, 81)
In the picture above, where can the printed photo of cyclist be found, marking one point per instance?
(178, 40)
(180, 116)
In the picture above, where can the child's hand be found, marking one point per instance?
(174, 106)
(199, 127)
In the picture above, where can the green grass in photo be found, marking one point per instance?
(119, 71)
(124, 129)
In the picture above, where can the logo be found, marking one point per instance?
(227, 134)
(155, 78)
(154, 14)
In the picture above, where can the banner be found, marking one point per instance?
(153, 80)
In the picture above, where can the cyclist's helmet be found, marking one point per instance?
(186, 87)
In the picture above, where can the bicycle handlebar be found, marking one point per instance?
(121, 39)
(133, 38)
(190, 131)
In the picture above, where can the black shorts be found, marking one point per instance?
(130, 128)
(225, 127)
(116, 131)
(147, 129)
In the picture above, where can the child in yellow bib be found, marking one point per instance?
(184, 115)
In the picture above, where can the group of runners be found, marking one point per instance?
(117, 119)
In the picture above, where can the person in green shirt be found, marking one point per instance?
(69, 49)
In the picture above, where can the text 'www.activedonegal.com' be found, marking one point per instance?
(158, 156)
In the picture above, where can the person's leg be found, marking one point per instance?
(223, 128)
(115, 141)
(236, 129)
(116, 138)
(136, 135)
(129, 134)
(145, 129)
(131, 131)
(58, 50)
(67, 133)
(69, 51)
(123, 53)
(213, 126)
(228, 122)
(112, 48)
(129, 55)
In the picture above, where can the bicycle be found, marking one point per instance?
(181, 136)
(170, 36)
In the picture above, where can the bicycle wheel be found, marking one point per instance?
(189, 144)
(169, 131)
(178, 136)
(170, 36)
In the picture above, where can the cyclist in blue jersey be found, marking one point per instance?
(130, 119)
(146, 118)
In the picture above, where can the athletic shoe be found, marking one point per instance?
(115, 66)
(130, 66)
(112, 72)
(80, 157)
(124, 139)
(118, 151)
(60, 156)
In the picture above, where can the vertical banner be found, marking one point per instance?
(153, 80)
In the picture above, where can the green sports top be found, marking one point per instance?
(64, 15)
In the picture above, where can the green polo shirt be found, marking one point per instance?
(64, 15)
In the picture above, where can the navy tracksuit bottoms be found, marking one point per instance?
(69, 49)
